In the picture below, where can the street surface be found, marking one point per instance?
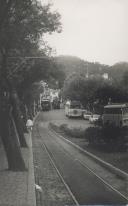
(85, 187)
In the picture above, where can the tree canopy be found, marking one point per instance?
(93, 92)
(22, 25)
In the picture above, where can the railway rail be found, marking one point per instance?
(105, 164)
(50, 155)
(52, 160)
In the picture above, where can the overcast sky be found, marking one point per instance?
(94, 30)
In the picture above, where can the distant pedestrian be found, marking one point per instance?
(29, 124)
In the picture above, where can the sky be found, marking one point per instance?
(94, 30)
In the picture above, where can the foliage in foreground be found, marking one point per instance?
(69, 132)
(110, 137)
(22, 25)
(77, 132)
(107, 138)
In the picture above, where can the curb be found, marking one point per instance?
(107, 165)
(31, 197)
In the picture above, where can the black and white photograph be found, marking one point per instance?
(63, 102)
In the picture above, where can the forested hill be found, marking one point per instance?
(118, 70)
(74, 64)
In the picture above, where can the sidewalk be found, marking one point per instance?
(17, 188)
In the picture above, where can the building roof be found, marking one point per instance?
(116, 105)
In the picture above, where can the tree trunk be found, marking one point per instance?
(23, 109)
(17, 117)
(10, 139)
(30, 111)
(7, 126)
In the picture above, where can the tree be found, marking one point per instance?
(43, 69)
(124, 80)
(22, 23)
(81, 88)
(113, 92)
(118, 70)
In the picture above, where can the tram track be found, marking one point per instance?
(53, 162)
(105, 164)
(117, 172)
(51, 158)
(100, 178)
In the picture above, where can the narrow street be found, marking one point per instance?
(80, 186)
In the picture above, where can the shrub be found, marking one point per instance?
(109, 138)
(72, 132)
(115, 136)
(77, 132)
(113, 133)
(63, 126)
(112, 137)
(93, 135)
(54, 127)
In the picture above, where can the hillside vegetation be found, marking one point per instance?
(73, 64)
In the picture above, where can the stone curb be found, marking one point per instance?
(31, 197)
(107, 165)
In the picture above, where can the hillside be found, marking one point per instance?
(73, 64)
(118, 70)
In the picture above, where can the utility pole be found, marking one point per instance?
(87, 74)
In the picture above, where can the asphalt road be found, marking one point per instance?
(85, 186)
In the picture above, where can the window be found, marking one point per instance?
(112, 111)
(75, 106)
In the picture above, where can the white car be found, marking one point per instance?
(94, 118)
(87, 115)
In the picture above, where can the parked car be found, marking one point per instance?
(94, 118)
(87, 115)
